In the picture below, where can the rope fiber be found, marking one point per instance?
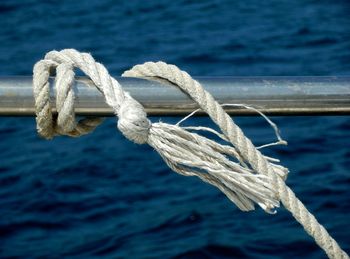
(237, 168)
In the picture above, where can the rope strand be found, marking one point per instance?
(243, 145)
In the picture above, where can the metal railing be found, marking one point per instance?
(271, 95)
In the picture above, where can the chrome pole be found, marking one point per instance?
(271, 95)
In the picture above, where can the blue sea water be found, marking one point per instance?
(101, 196)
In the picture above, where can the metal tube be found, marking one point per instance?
(271, 95)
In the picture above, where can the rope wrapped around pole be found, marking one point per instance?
(238, 168)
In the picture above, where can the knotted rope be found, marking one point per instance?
(239, 170)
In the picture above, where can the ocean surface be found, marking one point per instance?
(101, 196)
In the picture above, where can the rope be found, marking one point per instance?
(239, 170)
(48, 125)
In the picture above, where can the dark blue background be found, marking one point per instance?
(102, 196)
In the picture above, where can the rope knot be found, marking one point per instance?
(133, 122)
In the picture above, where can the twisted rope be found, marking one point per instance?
(49, 125)
(243, 145)
(252, 179)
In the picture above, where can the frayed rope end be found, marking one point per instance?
(191, 154)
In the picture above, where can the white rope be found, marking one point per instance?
(48, 125)
(240, 171)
